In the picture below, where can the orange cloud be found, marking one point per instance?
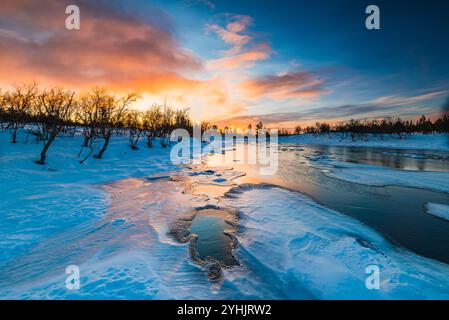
(129, 52)
(230, 37)
(299, 84)
(246, 59)
(232, 33)
(238, 56)
(239, 23)
(113, 48)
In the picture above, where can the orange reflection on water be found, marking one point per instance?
(252, 173)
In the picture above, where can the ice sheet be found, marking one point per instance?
(382, 176)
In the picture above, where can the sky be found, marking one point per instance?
(238, 62)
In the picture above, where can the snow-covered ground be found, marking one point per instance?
(412, 142)
(438, 210)
(38, 201)
(106, 218)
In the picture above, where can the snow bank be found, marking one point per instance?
(38, 201)
(300, 249)
(412, 142)
(438, 210)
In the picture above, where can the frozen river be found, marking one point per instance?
(398, 212)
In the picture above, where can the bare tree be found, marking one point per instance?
(134, 123)
(182, 119)
(205, 126)
(159, 122)
(167, 124)
(152, 124)
(88, 116)
(3, 100)
(18, 105)
(54, 110)
(110, 114)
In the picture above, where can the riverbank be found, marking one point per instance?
(412, 141)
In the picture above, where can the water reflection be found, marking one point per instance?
(212, 239)
(412, 160)
(397, 212)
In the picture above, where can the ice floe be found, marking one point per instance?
(382, 176)
(438, 210)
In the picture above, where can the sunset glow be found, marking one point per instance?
(230, 63)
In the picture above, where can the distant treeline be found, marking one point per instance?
(385, 126)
